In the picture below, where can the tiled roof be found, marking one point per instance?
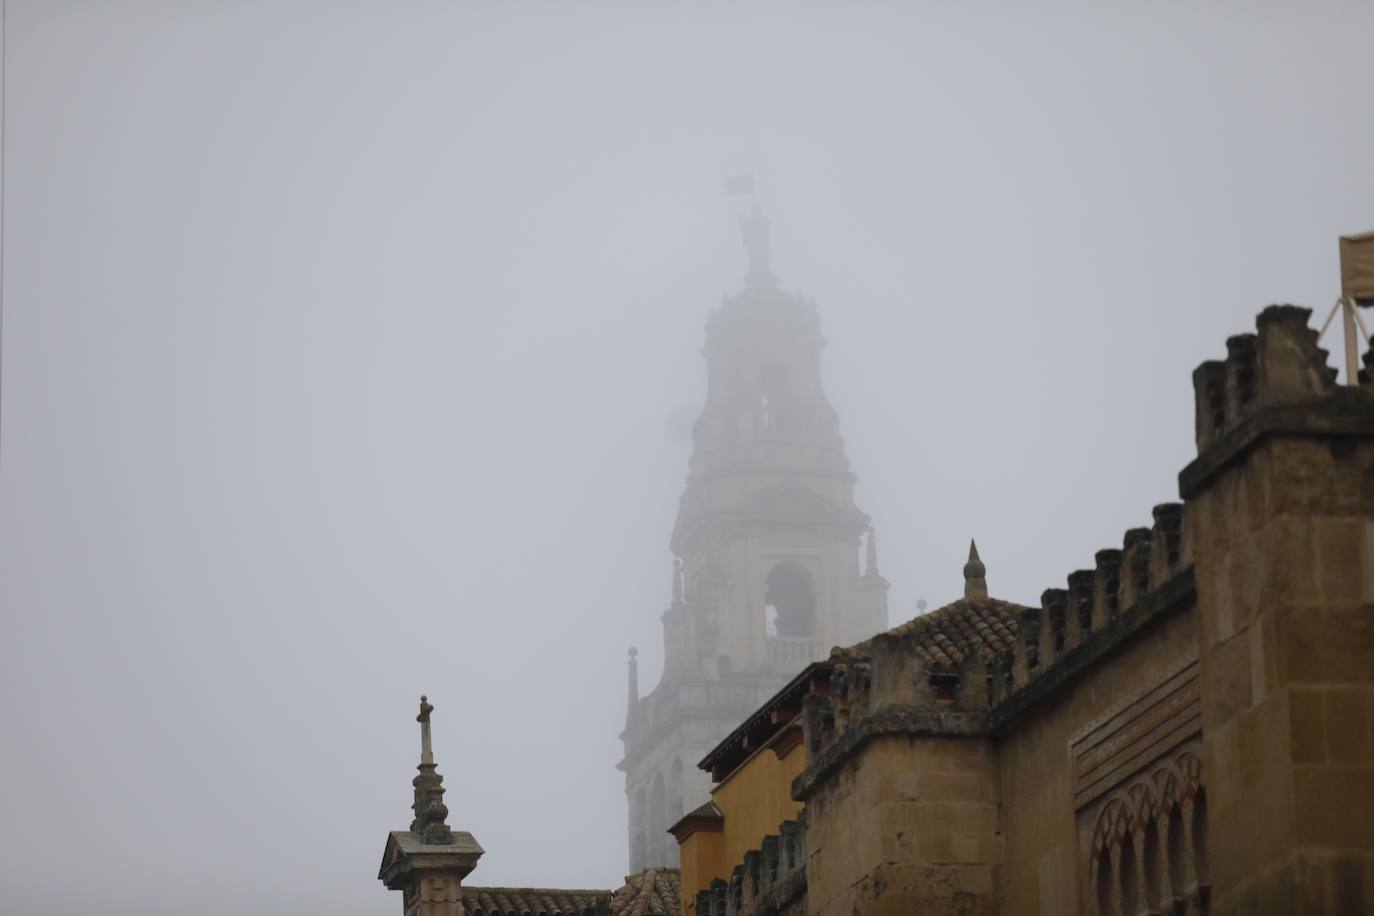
(943, 638)
(529, 901)
(652, 892)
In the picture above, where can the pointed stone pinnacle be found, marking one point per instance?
(975, 574)
(633, 671)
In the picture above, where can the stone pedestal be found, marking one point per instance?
(430, 876)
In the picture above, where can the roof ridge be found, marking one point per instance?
(514, 889)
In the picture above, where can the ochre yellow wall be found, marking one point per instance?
(755, 799)
(701, 859)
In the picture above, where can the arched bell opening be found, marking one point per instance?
(790, 602)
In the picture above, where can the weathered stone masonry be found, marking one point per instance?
(1185, 727)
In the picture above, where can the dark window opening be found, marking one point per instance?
(792, 596)
(945, 687)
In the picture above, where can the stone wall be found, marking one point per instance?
(1281, 508)
(909, 826)
(1087, 705)
(1062, 761)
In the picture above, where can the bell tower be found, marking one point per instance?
(767, 577)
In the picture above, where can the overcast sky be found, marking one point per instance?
(351, 349)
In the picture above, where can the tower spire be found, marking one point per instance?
(633, 677)
(975, 574)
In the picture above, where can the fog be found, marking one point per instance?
(350, 352)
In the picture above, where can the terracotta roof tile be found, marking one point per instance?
(529, 901)
(652, 892)
(981, 627)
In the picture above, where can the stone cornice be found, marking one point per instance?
(1346, 415)
(674, 711)
(407, 853)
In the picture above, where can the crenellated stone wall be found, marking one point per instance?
(1186, 726)
(1127, 588)
(1083, 727)
(1281, 513)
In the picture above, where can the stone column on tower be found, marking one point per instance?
(428, 862)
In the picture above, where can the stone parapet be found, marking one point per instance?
(1275, 382)
(1073, 627)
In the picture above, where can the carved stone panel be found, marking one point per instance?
(1141, 730)
(1141, 803)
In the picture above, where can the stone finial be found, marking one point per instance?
(678, 590)
(975, 574)
(633, 677)
(871, 553)
(426, 743)
(430, 812)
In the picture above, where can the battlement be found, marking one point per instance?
(1148, 575)
(770, 880)
(1273, 382)
(1280, 365)
(953, 670)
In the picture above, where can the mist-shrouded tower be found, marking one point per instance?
(767, 576)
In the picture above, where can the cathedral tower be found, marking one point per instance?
(767, 576)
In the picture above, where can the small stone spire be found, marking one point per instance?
(634, 687)
(430, 811)
(975, 573)
(755, 228)
(678, 590)
(871, 554)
